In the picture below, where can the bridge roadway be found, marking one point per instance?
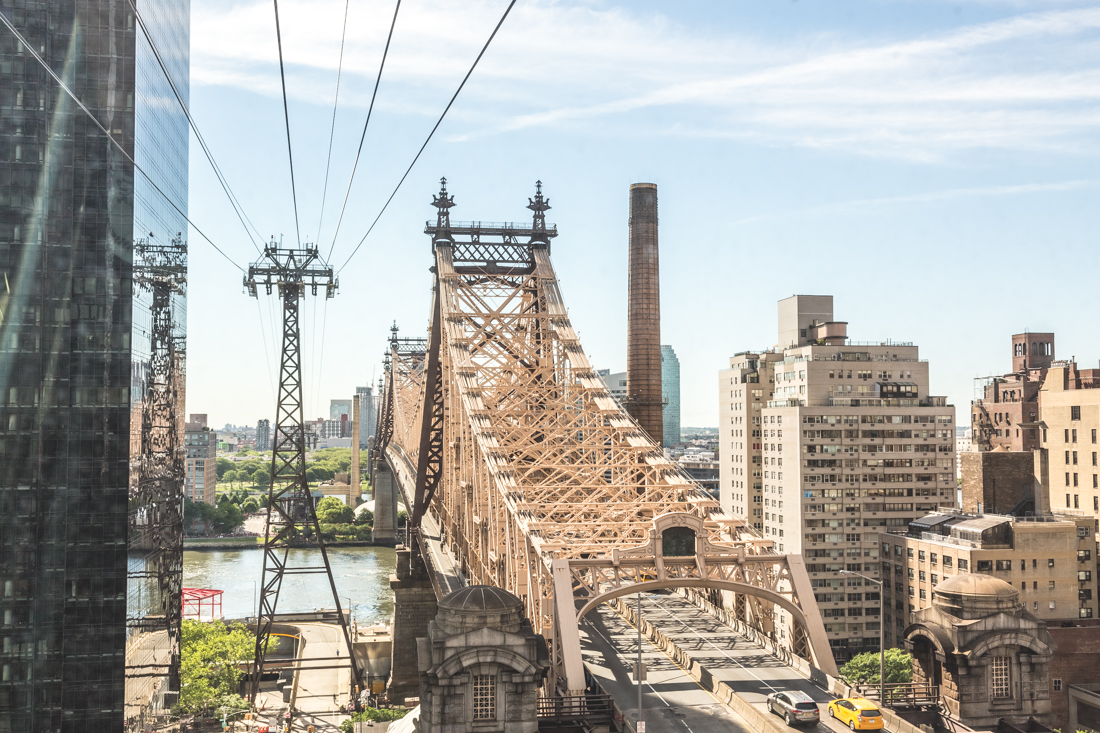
(750, 671)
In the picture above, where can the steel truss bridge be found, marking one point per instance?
(541, 484)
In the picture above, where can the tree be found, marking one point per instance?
(402, 518)
(864, 668)
(209, 656)
(250, 505)
(331, 510)
(261, 477)
(365, 518)
(228, 517)
(224, 464)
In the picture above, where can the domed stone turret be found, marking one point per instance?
(480, 607)
(973, 596)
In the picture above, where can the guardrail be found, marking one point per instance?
(576, 710)
(903, 694)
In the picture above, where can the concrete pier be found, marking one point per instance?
(414, 605)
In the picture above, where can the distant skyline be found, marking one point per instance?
(945, 152)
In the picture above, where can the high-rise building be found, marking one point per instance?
(670, 391)
(843, 441)
(336, 408)
(74, 338)
(263, 435)
(367, 416)
(201, 461)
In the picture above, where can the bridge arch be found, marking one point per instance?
(763, 594)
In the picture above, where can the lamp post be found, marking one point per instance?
(881, 634)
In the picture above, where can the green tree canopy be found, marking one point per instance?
(228, 517)
(365, 518)
(250, 505)
(331, 510)
(864, 668)
(208, 664)
(224, 464)
(261, 477)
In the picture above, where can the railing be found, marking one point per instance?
(901, 695)
(522, 226)
(576, 710)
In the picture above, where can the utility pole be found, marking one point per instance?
(156, 515)
(881, 633)
(291, 515)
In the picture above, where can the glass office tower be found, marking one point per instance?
(74, 338)
(670, 389)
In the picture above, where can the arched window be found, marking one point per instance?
(1035, 348)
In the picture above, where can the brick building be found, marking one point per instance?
(1074, 665)
(1005, 415)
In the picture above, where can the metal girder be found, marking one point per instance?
(291, 517)
(156, 515)
(548, 489)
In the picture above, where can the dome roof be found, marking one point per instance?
(974, 596)
(976, 584)
(481, 598)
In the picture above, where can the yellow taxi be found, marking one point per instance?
(857, 713)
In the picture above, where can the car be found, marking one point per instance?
(857, 712)
(795, 707)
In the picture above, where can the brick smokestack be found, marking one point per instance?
(643, 335)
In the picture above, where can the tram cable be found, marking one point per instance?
(430, 135)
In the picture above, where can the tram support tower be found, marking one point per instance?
(291, 516)
(156, 515)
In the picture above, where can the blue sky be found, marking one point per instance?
(933, 165)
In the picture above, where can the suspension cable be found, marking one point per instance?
(363, 137)
(92, 117)
(332, 130)
(430, 134)
(286, 116)
(237, 208)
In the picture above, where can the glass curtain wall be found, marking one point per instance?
(74, 339)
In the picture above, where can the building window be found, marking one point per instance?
(485, 697)
(1075, 413)
(1067, 435)
(1084, 613)
(1000, 683)
(1050, 564)
(1057, 685)
(964, 564)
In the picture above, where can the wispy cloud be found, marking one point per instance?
(951, 194)
(1024, 82)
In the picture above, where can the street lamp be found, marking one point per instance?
(881, 634)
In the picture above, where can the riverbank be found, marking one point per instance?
(249, 543)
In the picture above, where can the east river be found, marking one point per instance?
(361, 573)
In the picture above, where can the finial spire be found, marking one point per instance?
(443, 203)
(539, 205)
(393, 333)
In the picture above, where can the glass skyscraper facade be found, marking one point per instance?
(74, 339)
(670, 391)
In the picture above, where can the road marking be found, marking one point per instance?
(735, 660)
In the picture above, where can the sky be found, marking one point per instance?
(933, 165)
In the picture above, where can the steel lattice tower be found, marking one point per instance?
(156, 517)
(291, 515)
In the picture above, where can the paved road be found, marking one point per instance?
(733, 659)
(672, 702)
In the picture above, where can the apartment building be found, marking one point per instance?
(1069, 407)
(866, 449)
(1050, 558)
(200, 445)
